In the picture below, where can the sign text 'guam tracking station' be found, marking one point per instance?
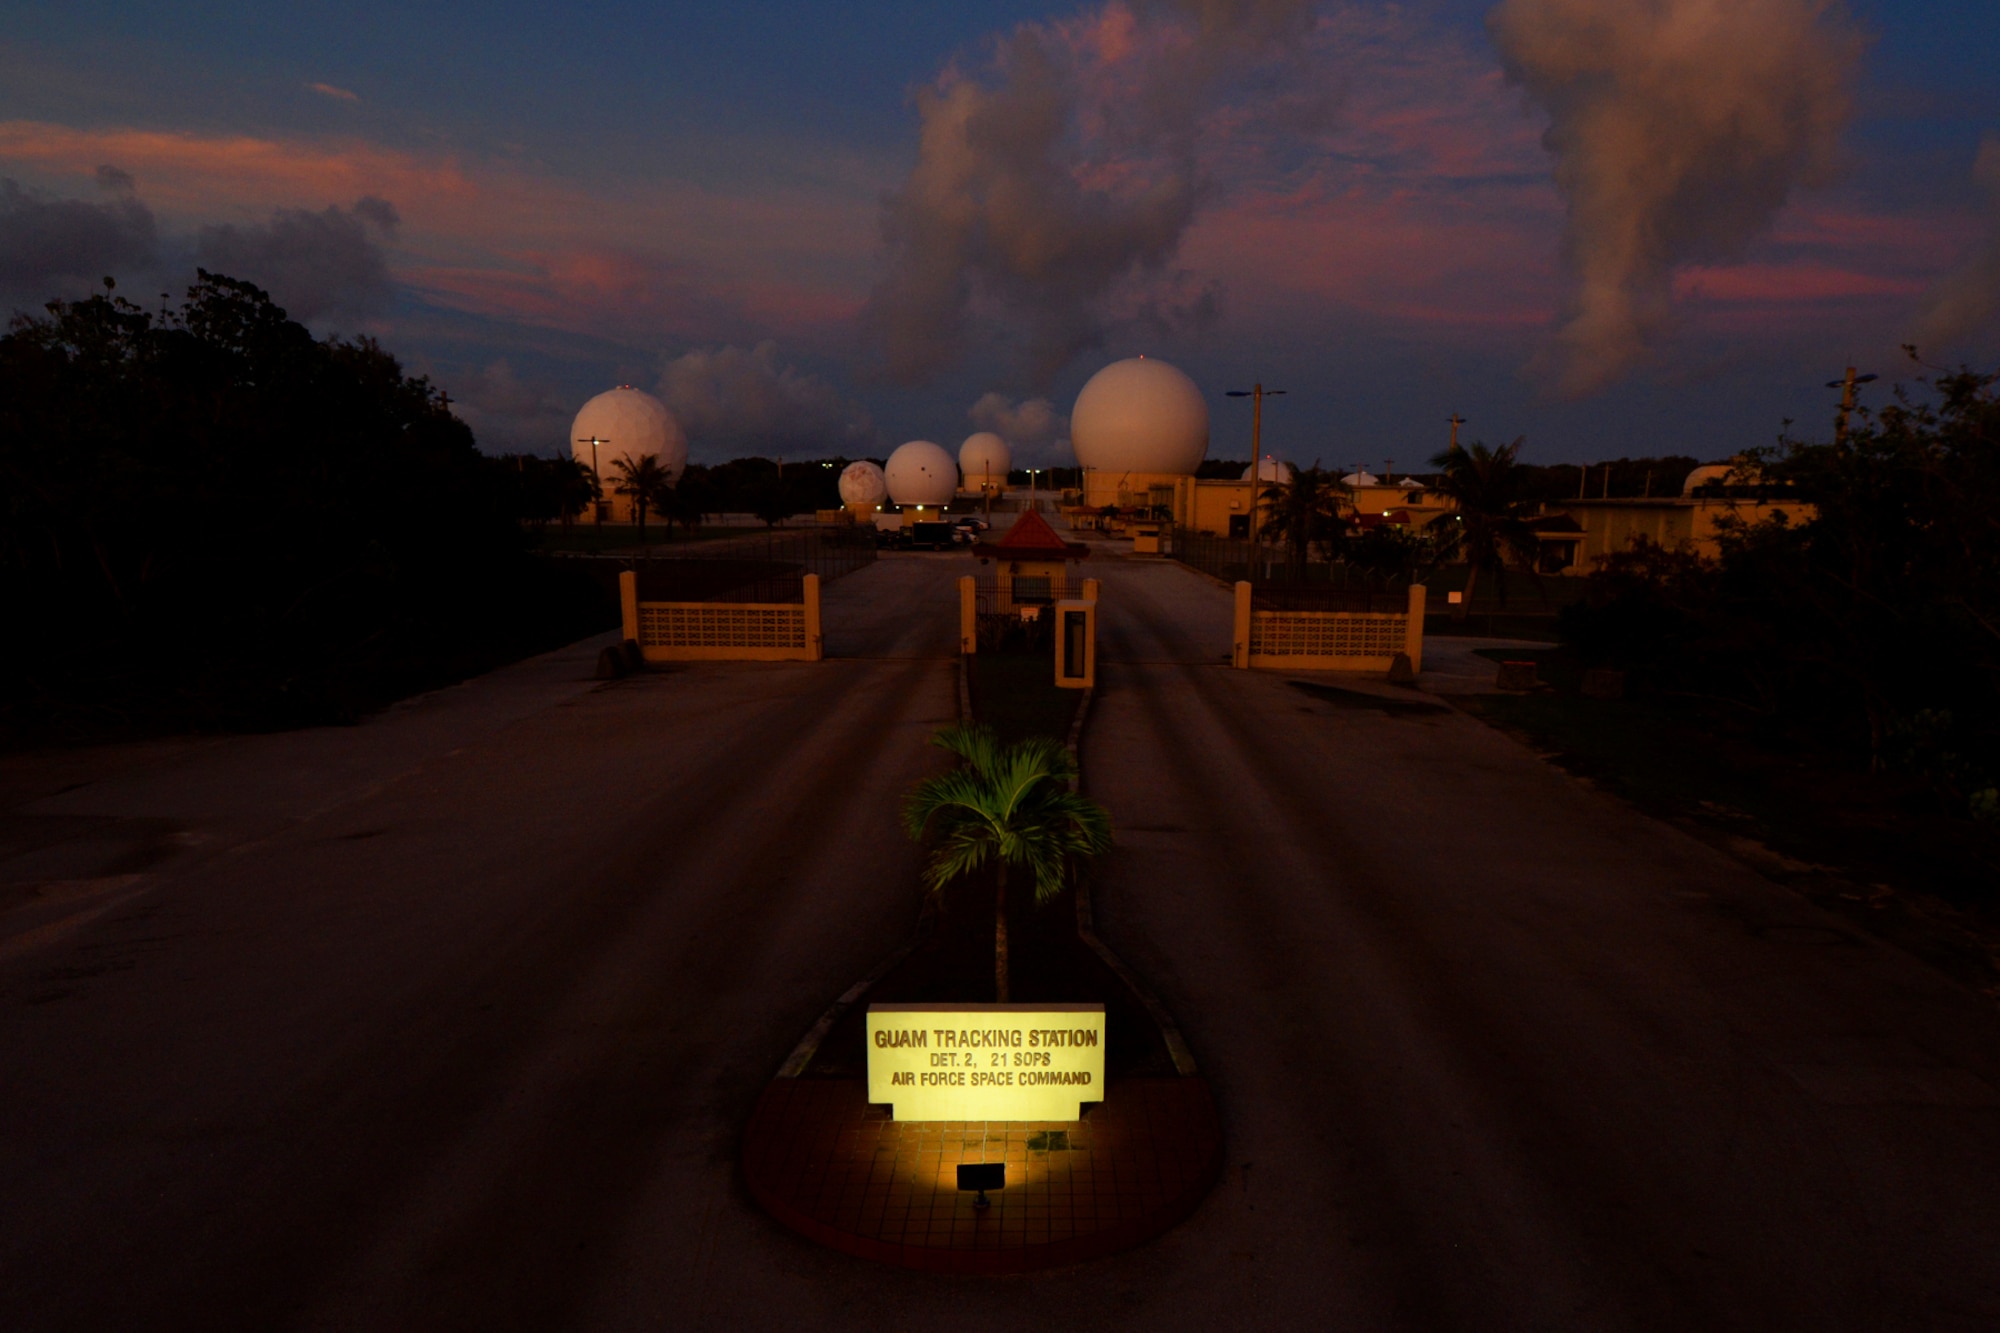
(986, 1062)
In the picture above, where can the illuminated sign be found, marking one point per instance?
(986, 1061)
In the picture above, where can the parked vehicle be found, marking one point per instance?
(929, 535)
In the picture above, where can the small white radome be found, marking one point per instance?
(984, 456)
(862, 483)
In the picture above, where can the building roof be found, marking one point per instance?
(1031, 538)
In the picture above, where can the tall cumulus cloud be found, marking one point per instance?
(1679, 129)
(736, 400)
(1064, 168)
(1968, 298)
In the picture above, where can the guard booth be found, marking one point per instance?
(1031, 573)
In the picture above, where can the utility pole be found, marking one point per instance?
(596, 482)
(1257, 393)
(1456, 421)
(1846, 384)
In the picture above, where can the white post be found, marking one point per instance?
(1240, 656)
(814, 645)
(1413, 631)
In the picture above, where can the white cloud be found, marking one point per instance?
(1679, 128)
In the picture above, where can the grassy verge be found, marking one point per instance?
(1492, 625)
(1015, 693)
(1870, 846)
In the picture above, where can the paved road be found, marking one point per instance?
(1496, 1052)
(451, 1020)
(438, 1021)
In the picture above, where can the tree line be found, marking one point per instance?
(211, 519)
(1873, 625)
(543, 490)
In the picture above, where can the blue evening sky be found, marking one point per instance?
(790, 109)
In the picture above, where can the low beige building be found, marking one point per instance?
(1220, 506)
(1712, 499)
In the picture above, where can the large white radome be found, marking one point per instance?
(862, 483)
(921, 473)
(631, 423)
(1140, 416)
(984, 456)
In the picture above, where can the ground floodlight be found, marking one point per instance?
(982, 1176)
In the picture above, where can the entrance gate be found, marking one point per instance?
(1302, 629)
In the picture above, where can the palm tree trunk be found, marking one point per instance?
(1000, 935)
(1464, 606)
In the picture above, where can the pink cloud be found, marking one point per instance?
(507, 239)
(190, 171)
(1787, 284)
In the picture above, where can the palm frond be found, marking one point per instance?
(1008, 803)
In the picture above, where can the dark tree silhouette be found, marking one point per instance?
(210, 518)
(1490, 525)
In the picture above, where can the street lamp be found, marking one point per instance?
(1846, 386)
(597, 482)
(1256, 394)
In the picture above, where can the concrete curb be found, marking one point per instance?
(1170, 1032)
(802, 1055)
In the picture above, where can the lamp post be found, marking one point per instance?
(1846, 386)
(596, 482)
(1257, 393)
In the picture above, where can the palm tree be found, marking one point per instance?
(1491, 523)
(645, 481)
(1306, 510)
(575, 487)
(1011, 805)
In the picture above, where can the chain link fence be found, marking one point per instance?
(1278, 584)
(759, 567)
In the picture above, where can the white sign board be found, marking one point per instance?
(986, 1061)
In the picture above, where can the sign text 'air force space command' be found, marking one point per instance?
(986, 1061)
